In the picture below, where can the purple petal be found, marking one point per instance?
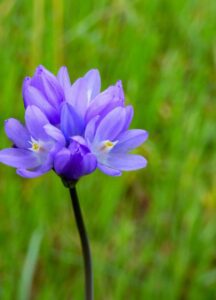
(36, 81)
(74, 162)
(130, 139)
(64, 80)
(17, 133)
(79, 96)
(76, 147)
(80, 140)
(90, 129)
(33, 96)
(71, 123)
(55, 133)
(31, 174)
(117, 93)
(36, 172)
(26, 83)
(61, 161)
(93, 83)
(35, 122)
(98, 105)
(129, 116)
(109, 171)
(112, 125)
(126, 162)
(105, 102)
(63, 77)
(120, 91)
(48, 84)
(67, 165)
(19, 158)
(88, 165)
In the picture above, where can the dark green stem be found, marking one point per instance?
(84, 243)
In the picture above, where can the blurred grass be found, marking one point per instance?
(153, 232)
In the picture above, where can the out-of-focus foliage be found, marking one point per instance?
(153, 232)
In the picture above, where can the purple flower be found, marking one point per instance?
(110, 141)
(50, 93)
(33, 145)
(73, 121)
(72, 129)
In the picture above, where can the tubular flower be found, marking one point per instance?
(74, 161)
(72, 128)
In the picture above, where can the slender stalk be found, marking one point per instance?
(84, 243)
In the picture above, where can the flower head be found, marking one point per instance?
(50, 93)
(72, 128)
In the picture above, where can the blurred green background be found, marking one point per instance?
(152, 232)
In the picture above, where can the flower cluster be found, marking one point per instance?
(72, 128)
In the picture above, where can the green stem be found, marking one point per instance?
(84, 243)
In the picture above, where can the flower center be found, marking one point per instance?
(36, 146)
(106, 146)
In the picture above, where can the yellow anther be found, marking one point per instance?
(107, 146)
(35, 147)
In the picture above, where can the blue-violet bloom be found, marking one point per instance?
(72, 128)
(110, 141)
(51, 93)
(34, 145)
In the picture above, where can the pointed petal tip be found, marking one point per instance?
(26, 83)
(142, 133)
(146, 134)
(119, 83)
(93, 70)
(63, 69)
(145, 163)
(40, 68)
(141, 164)
(27, 79)
(93, 83)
